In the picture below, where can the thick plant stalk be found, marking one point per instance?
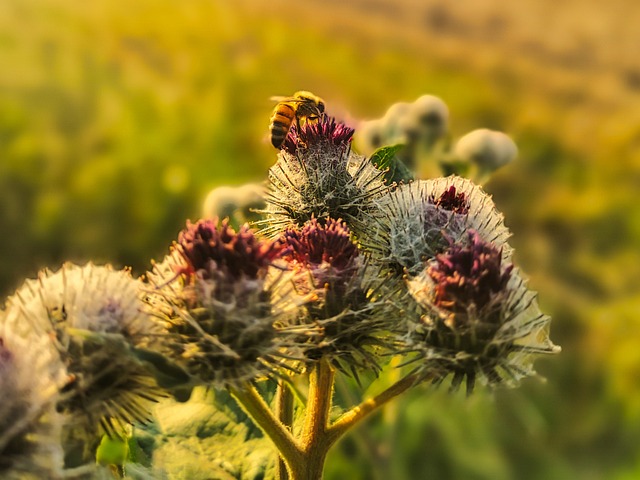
(284, 412)
(304, 459)
(313, 441)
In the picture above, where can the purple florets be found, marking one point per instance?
(326, 132)
(209, 245)
(316, 243)
(469, 276)
(452, 201)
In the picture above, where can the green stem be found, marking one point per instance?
(249, 398)
(349, 419)
(305, 458)
(284, 412)
(313, 437)
(318, 404)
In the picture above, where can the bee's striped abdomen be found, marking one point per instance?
(281, 121)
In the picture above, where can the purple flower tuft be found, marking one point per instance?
(209, 245)
(469, 275)
(325, 131)
(318, 243)
(452, 201)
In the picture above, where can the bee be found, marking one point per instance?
(302, 105)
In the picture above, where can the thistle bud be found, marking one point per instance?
(237, 203)
(393, 123)
(92, 314)
(30, 375)
(218, 300)
(476, 318)
(431, 116)
(348, 304)
(421, 219)
(369, 137)
(487, 149)
(317, 176)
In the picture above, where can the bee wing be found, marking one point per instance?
(280, 99)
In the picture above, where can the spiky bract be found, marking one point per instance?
(421, 219)
(219, 301)
(92, 314)
(476, 317)
(317, 176)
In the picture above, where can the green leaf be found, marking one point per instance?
(207, 437)
(112, 451)
(386, 159)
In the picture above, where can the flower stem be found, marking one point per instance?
(284, 412)
(249, 398)
(319, 403)
(304, 458)
(313, 444)
(349, 419)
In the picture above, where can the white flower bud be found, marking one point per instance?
(235, 203)
(488, 149)
(369, 136)
(429, 116)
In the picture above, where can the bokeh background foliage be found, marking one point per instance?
(116, 119)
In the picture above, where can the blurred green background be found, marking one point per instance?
(117, 118)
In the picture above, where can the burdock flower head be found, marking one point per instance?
(93, 314)
(318, 176)
(348, 306)
(420, 220)
(30, 375)
(218, 298)
(326, 249)
(477, 319)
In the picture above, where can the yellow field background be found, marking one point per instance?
(117, 118)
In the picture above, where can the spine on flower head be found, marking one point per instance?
(220, 312)
(476, 318)
(318, 176)
(350, 314)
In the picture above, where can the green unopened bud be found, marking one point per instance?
(369, 137)
(488, 149)
(429, 116)
(236, 203)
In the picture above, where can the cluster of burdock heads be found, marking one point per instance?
(346, 271)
